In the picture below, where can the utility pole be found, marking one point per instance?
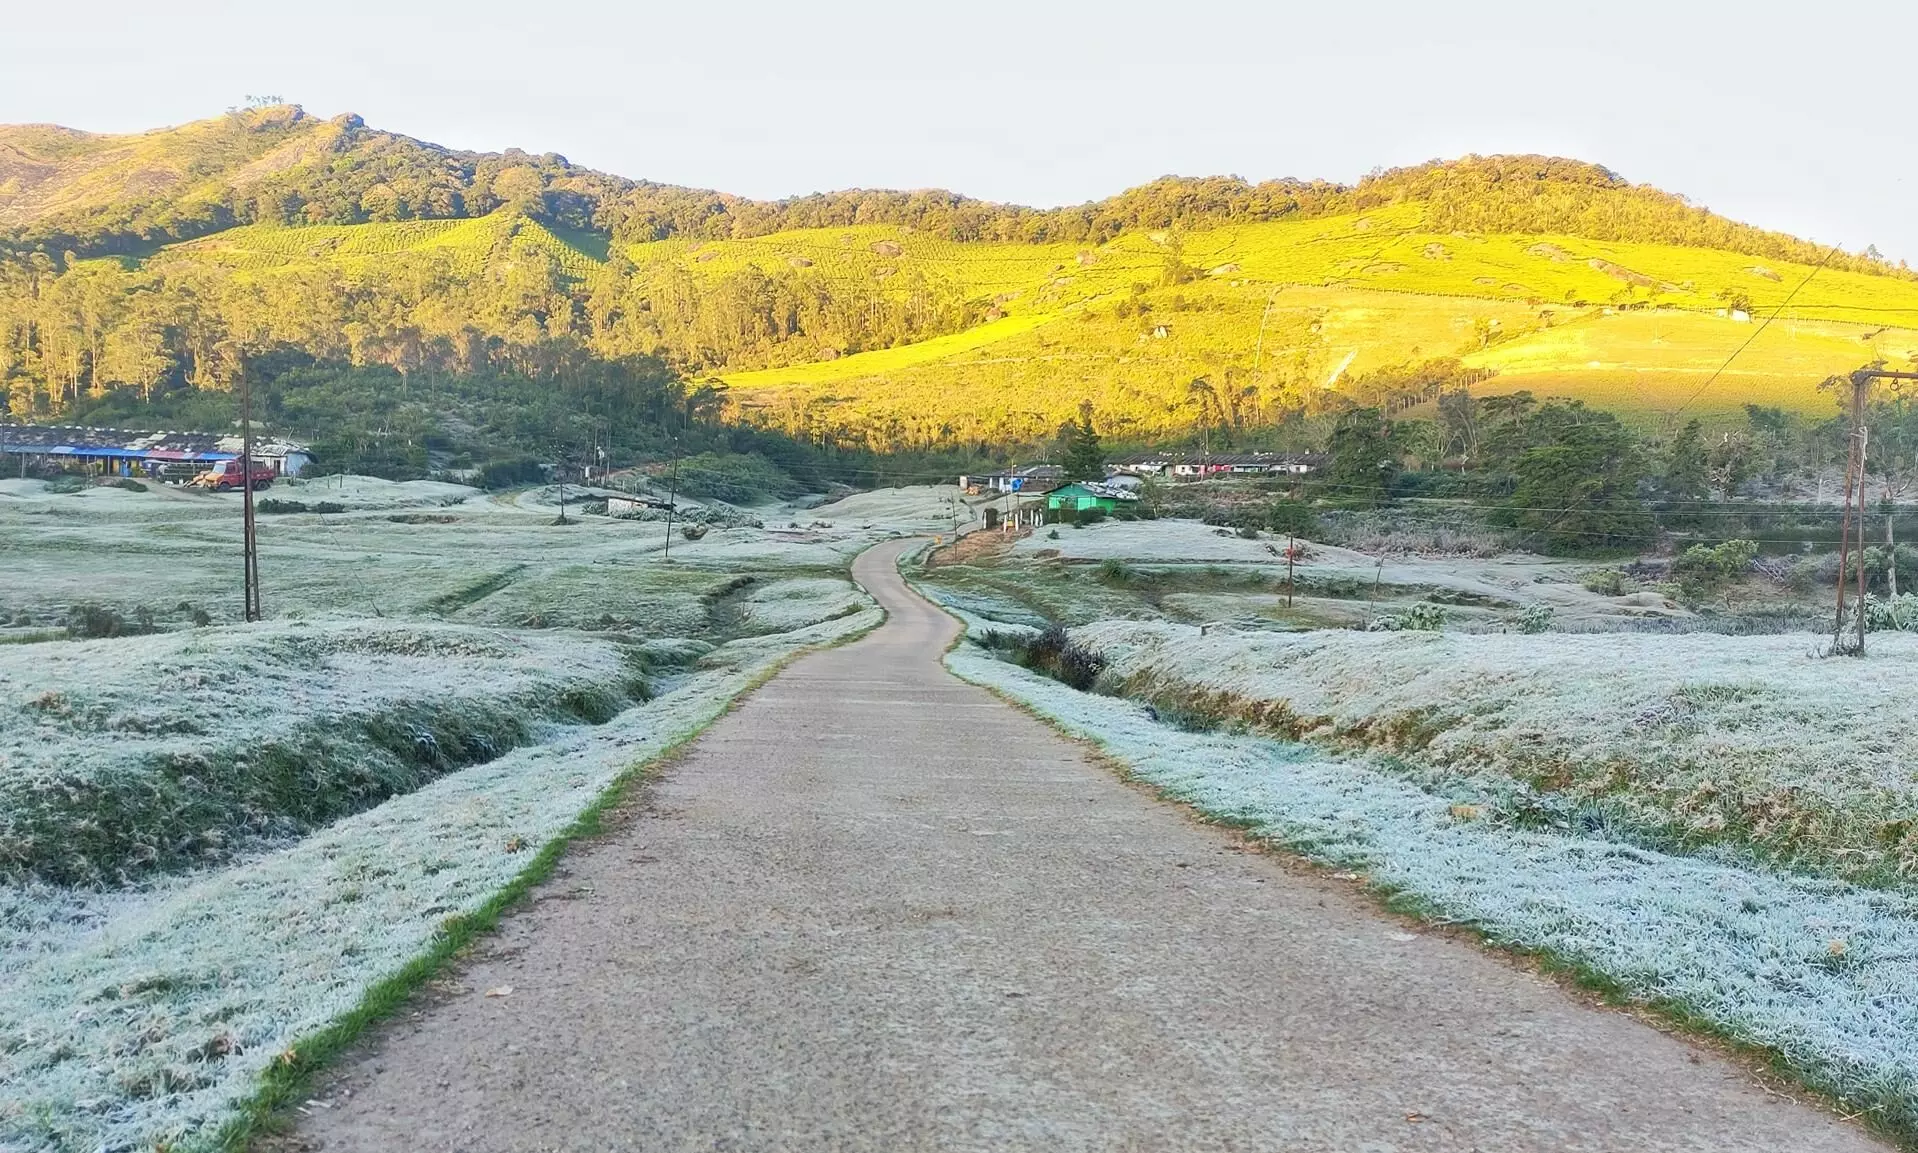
(672, 500)
(1855, 462)
(251, 546)
(1291, 550)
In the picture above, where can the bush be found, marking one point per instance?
(736, 478)
(95, 622)
(66, 484)
(1088, 516)
(1607, 583)
(1535, 618)
(127, 483)
(692, 531)
(1116, 572)
(499, 474)
(1899, 613)
(1056, 655)
(1291, 518)
(273, 506)
(1705, 568)
(1418, 618)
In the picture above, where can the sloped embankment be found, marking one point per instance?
(1695, 743)
(134, 756)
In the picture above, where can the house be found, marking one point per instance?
(1129, 481)
(123, 452)
(1084, 494)
(1030, 478)
(1246, 464)
(1151, 464)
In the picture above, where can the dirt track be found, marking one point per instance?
(877, 909)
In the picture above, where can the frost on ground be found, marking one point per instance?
(264, 821)
(124, 756)
(1748, 743)
(1817, 970)
(150, 1024)
(1471, 585)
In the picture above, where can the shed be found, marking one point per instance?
(1080, 495)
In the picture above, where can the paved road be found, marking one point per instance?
(877, 909)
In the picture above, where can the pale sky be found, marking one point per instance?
(1793, 116)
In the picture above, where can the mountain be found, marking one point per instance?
(161, 263)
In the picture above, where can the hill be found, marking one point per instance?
(157, 263)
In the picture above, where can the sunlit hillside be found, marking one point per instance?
(891, 319)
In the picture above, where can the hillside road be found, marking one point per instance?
(875, 908)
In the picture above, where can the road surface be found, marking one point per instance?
(875, 908)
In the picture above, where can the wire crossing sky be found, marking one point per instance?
(1782, 115)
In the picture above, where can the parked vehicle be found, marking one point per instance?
(228, 475)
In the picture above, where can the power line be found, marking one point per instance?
(1756, 333)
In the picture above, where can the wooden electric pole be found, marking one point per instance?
(1855, 465)
(251, 546)
(672, 501)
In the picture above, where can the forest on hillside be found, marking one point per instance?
(109, 304)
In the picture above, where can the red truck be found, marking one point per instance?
(228, 475)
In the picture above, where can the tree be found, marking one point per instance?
(1685, 464)
(1085, 459)
(1364, 457)
(1576, 484)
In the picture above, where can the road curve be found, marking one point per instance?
(877, 909)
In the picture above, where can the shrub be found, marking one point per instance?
(1607, 583)
(1054, 654)
(736, 478)
(1113, 571)
(1899, 613)
(127, 483)
(1705, 568)
(500, 474)
(1418, 618)
(692, 531)
(1088, 516)
(1535, 618)
(1291, 518)
(94, 622)
(66, 484)
(273, 506)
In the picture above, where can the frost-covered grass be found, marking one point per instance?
(151, 1024)
(124, 756)
(1745, 743)
(1819, 971)
(215, 841)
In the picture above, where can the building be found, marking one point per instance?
(121, 452)
(1029, 478)
(1081, 495)
(1245, 464)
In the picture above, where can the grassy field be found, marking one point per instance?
(1718, 826)
(220, 837)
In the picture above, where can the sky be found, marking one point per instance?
(1792, 116)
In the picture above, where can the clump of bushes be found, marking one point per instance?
(97, 622)
(1418, 618)
(1703, 569)
(1052, 653)
(67, 484)
(1607, 583)
(273, 505)
(736, 478)
(498, 474)
(1535, 618)
(127, 483)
